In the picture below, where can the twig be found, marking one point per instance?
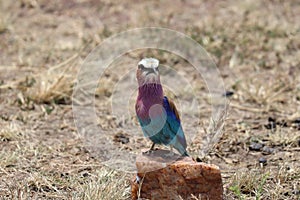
(140, 186)
(3, 170)
(247, 108)
(64, 62)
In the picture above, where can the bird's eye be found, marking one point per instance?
(156, 69)
(141, 66)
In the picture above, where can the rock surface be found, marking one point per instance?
(162, 176)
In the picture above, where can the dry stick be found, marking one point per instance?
(11, 68)
(257, 110)
(82, 165)
(140, 186)
(10, 85)
(64, 62)
(246, 108)
(3, 170)
(14, 67)
(6, 67)
(273, 97)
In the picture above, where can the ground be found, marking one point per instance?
(255, 44)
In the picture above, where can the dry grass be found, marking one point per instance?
(54, 85)
(262, 184)
(260, 91)
(33, 169)
(102, 184)
(250, 184)
(106, 184)
(10, 132)
(283, 138)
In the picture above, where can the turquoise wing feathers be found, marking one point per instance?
(166, 129)
(173, 127)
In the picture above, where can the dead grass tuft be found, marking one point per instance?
(105, 185)
(9, 132)
(55, 84)
(263, 91)
(284, 138)
(248, 184)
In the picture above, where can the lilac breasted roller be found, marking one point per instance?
(156, 113)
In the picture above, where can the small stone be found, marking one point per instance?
(262, 160)
(228, 94)
(200, 160)
(254, 146)
(286, 193)
(296, 124)
(267, 150)
(297, 121)
(296, 192)
(282, 123)
(271, 123)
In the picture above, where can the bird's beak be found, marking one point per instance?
(152, 71)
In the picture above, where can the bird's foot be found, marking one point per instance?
(148, 152)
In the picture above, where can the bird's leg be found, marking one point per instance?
(151, 149)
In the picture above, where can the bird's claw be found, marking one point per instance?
(147, 152)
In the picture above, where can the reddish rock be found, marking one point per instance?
(162, 176)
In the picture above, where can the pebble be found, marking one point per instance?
(271, 123)
(228, 93)
(254, 146)
(267, 150)
(297, 121)
(296, 192)
(262, 160)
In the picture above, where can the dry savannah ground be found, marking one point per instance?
(255, 44)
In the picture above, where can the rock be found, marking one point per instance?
(262, 160)
(296, 192)
(267, 150)
(296, 124)
(162, 176)
(271, 123)
(228, 94)
(254, 146)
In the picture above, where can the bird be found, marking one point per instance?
(156, 113)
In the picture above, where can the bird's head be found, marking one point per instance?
(147, 71)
